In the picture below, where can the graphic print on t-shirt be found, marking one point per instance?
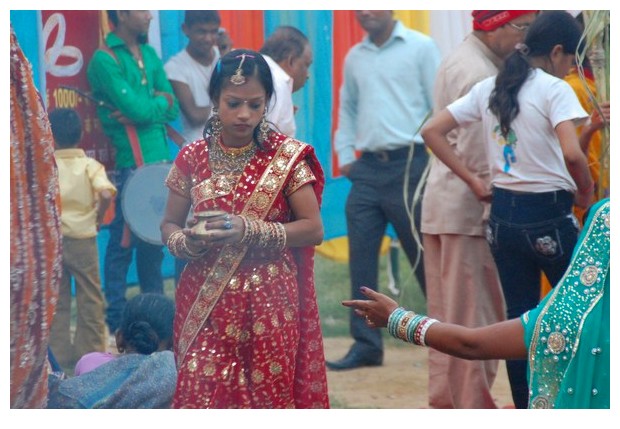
(509, 143)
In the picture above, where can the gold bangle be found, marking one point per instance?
(177, 245)
(260, 233)
(402, 326)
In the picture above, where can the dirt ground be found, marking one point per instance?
(400, 383)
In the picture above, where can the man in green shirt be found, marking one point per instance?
(128, 76)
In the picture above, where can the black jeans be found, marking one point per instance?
(376, 199)
(529, 233)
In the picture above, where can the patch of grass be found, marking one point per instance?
(337, 403)
(333, 286)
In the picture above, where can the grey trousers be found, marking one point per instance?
(376, 199)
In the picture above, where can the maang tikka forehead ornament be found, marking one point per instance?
(238, 78)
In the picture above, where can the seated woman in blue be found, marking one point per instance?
(143, 375)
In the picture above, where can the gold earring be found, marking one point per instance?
(216, 125)
(263, 130)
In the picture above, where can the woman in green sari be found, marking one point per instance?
(565, 338)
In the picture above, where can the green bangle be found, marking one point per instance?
(394, 319)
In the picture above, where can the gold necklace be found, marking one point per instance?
(230, 161)
(235, 151)
(137, 56)
(227, 165)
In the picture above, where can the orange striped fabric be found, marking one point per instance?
(246, 27)
(35, 236)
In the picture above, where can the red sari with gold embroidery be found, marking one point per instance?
(247, 330)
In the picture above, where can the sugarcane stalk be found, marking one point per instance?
(596, 40)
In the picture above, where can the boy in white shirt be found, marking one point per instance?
(189, 71)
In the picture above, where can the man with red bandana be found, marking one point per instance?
(462, 283)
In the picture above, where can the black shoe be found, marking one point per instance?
(353, 360)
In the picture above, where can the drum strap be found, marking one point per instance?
(134, 141)
(175, 136)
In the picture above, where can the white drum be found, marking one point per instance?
(144, 201)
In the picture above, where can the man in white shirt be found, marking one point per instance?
(289, 55)
(189, 71)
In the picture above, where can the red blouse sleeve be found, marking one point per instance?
(180, 176)
(302, 174)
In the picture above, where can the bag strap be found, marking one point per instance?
(130, 130)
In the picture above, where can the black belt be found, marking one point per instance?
(392, 155)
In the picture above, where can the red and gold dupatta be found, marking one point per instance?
(271, 172)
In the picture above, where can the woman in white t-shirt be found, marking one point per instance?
(538, 169)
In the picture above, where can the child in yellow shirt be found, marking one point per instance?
(85, 193)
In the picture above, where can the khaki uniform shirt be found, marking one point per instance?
(449, 206)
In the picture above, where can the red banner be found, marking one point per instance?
(245, 28)
(70, 38)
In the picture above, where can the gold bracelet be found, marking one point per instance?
(177, 245)
(402, 327)
(260, 233)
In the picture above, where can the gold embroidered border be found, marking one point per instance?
(270, 184)
(302, 175)
(569, 286)
(213, 187)
(177, 182)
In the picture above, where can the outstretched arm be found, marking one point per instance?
(502, 340)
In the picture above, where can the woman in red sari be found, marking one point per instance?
(247, 331)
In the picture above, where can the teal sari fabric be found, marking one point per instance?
(568, 333)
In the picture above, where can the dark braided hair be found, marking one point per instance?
(147, 321)
(548, 30)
